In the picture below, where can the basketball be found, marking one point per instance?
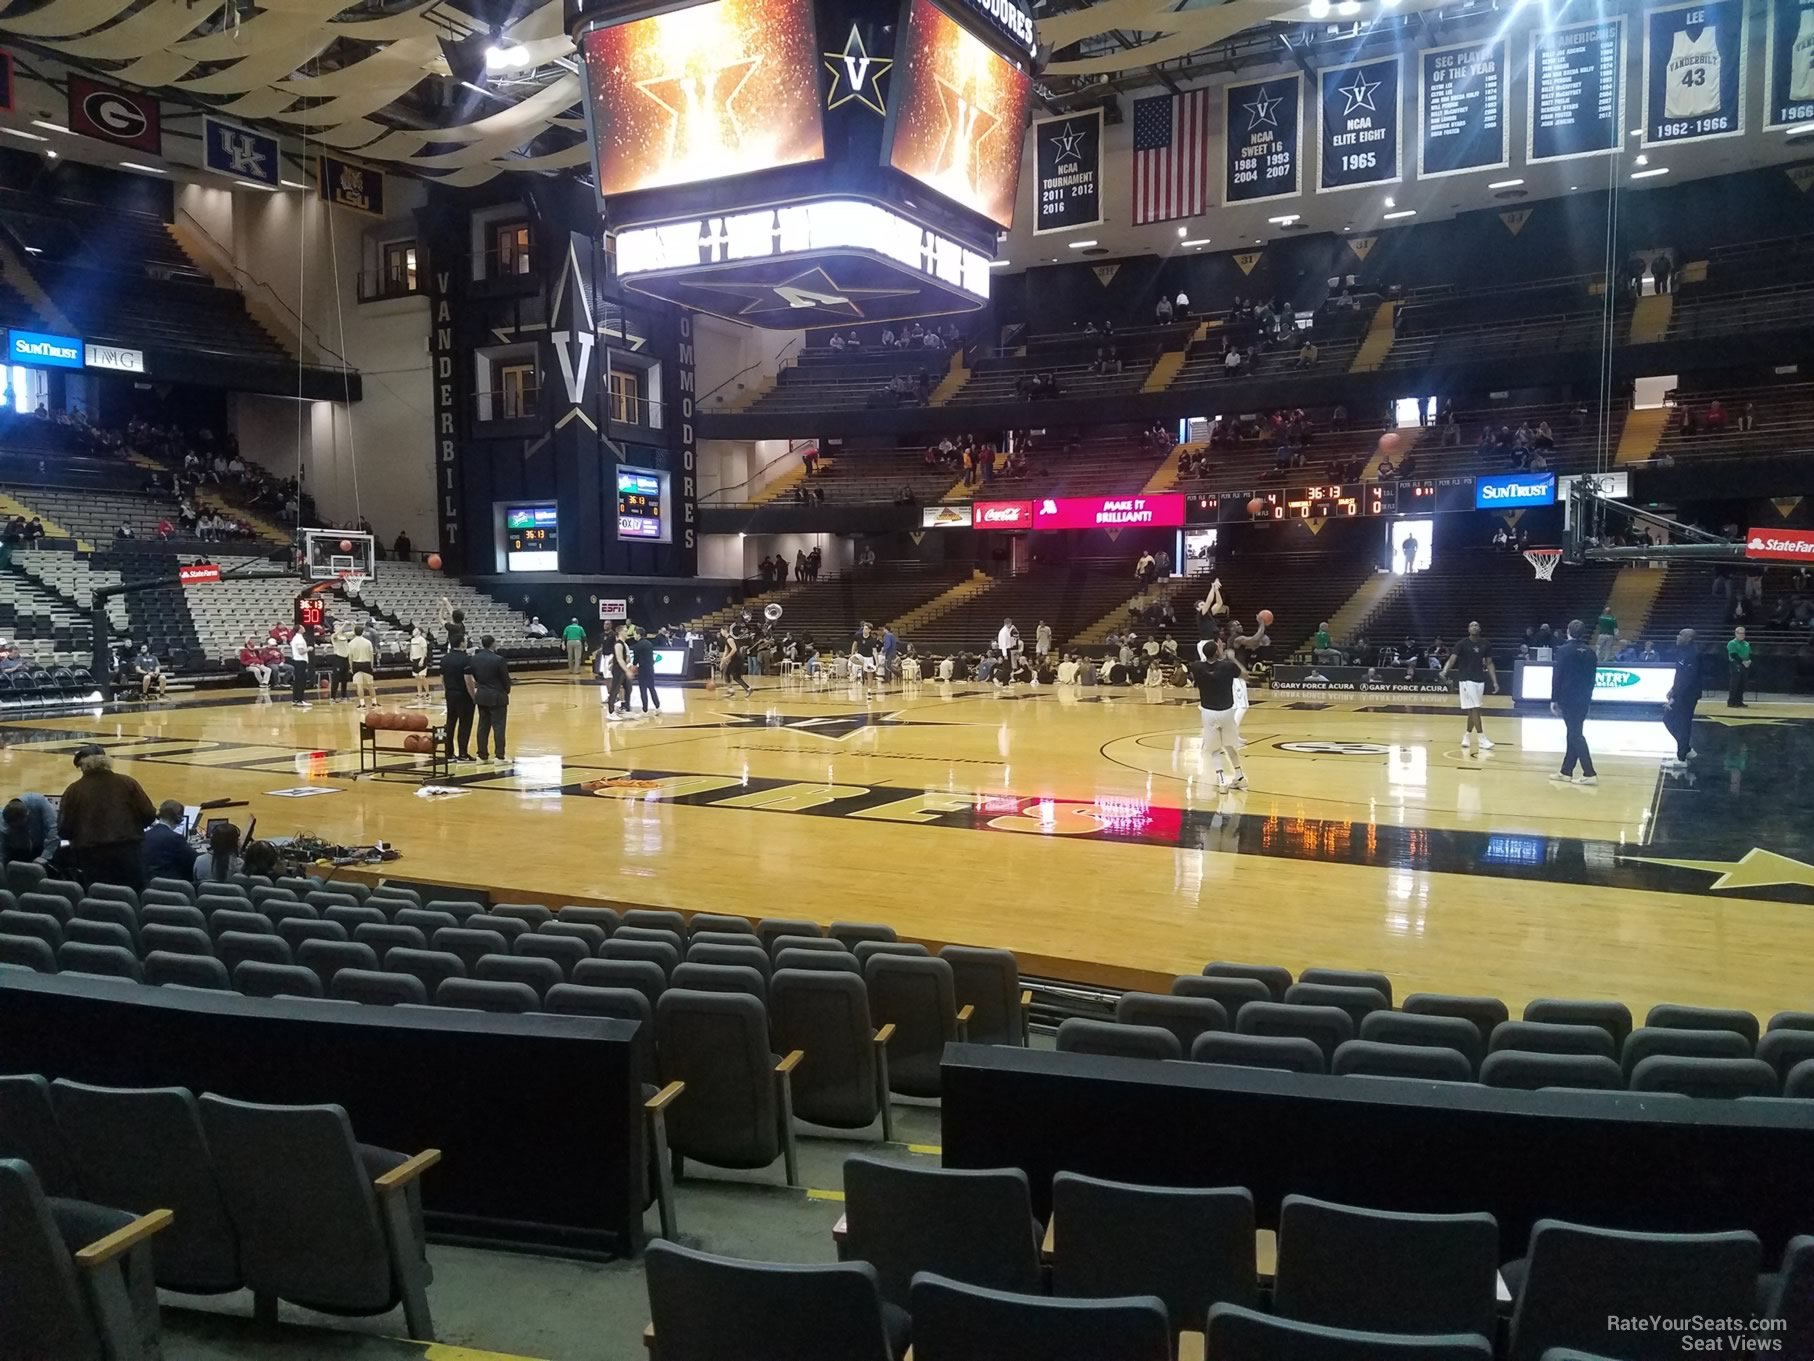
(1265, 617)
(1389, 442)
(346, 545)
(413, 722)
(418, 741)
(434, 562)
(1255, 506)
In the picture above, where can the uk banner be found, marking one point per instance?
(1067, 160)
(240, 154)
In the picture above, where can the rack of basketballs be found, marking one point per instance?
(419, 738)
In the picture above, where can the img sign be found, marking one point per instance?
(1509, 490)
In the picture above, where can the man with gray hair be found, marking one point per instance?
(103, 817)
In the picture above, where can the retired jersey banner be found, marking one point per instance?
(1789, 68)
(1462, 100)
(124, 117)
(1577, 83)
(1694, 72)
(1262, 141)
(1362, 125)
(351, 186)
(1067, 180)
(239, 153)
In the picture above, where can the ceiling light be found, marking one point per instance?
(1637, 132)
(291, 184)
(506, 56)
(1402, 212)
(34, 250)
(148, 169)
(1573, 187)
(47, 125)
(1284, 221)
(1319, 9)
(998, 264)
(1505, 184)
(252, 184)
(1642, 160)
(1390, 203)
(1651, 173)
(48, 152)
(1183, 232)
(1200, 241)
(1796, 131)
(33, 137)
(1081, 245)
(1348, 7)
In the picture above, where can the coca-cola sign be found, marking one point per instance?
(1003, 515)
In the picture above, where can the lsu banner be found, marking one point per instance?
(1362, 125)
(241, 154)
(1577, 101)
(1694, 72)
(1262, 140)
(1789, 68)
(1462, 97)
(1067, 190)
(351, 186)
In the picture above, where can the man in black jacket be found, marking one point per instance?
(454, 663)
(167, 853)
(488, 682)
(1572, 692)
(1678, 705)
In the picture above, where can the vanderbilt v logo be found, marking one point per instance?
(854, 74)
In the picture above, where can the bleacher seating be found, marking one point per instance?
(42, 627)
(1450, 324)
(1247, 464)
(1336, 333)
(826, 380)
(1496, 588)
(226, 613)
(1783, 422)
(1068, 597)
(994, 380)
(96, 516)
(1301, 589)
(1749, 287)
(404, 594)
(15, 311)
(832, 609)
(1700, 596)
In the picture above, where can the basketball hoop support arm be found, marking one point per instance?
(99, 659)
(1687, 542)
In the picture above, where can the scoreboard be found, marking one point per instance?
(532, 539)
(1333, 501)
(642, 495)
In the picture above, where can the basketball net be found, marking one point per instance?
(1544, 561)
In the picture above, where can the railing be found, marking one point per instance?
(379, 285)
(714, 496)
(507, 404)
(779, 360)
(250, 283)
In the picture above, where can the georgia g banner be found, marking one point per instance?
(1067, 180)
(124, 117)
(1362, 125)
(1694, 72)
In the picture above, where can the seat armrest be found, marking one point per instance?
(791, 1062)
(123, 1239)
(402, 1175)
(964, 1013)
(665, 1097)
(885, 1034)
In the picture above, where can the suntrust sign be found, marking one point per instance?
(1509, 490)
(34, 349)
(1780, 545)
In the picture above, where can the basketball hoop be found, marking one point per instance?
(352, 583)
(1544, 561)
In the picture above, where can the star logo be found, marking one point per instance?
(855, 72)
(1756, 868)
(703, 120)
(1069, 143)
(1259, 113)
(967, 126)
(810, 290)
(1360, 94)
(833, 727)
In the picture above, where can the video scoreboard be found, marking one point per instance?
(532, 539)
(642, 495)
(1333, 501)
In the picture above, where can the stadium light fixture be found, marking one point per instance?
(1319, 9)
(146, 169)
(1505, 184)
(506, 56)
(1651, 173)
(48, 126)
(1402, 212)
(1183, 232)
(23, 135)
(1082, 245)
(1200, 241)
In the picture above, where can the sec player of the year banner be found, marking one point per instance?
(1067, 161)
(1262, 147)
(1361, 125)
(1694, 72)
(1463, 109)
(1789, 85)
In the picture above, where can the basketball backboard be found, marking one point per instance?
(343, 554)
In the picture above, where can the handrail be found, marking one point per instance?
(753, 364)
(244, 277)
(793, 448)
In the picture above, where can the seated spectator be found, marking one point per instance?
(1716, 415)
(252, 657)
(855, 341)
(837, 342)
(1162, 310)
(150, 672)
(221, 861)
(537, 629)
(1747, 419)
(167, 853)
(1338, 418)
(124, 531)
(1307, 355)
(887, 337)
(1691, 425)
(1231, 362)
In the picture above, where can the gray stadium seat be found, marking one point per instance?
(1231, 994)
(329, 957)
(255, 978)
(1612, 1017)
(175, 940)
(160, 914)
(987, 981)
(1275, 977)
(1538, 1037)
(1485, 1013)
(431, 967)
(751, 956)
(1287, 1053)
(1350, 978)
(187, 970)
(1326, 1027)
(236, 947)
(821, 961)
(639, 974)
(1672, 1017)
(1531, 1071)
(1713, 1078)
(657, 919)
(849, 934)
(1782, 1049)
(87, 931)
(737, 1110)
(45, 927)
(372, 987)
(470, 945)
(605, 918)
(28, 1131)
(111, 961)
(776, 1312)
(1079, 1036)
(721, 922)
(1649, 1041)
(1441, 1032)
(295, 931)
(478, 995)
(1237, 1334)
(957, 1322)
(1371, 1058)
(565, 951)
(585, 932)
(531, 915)
(537, 974)
(916, 996)
(1359, 1003)
(1185, 1017)
(383, 939)
(721, 978)
(648, 951)
(771, 929)
(843, 1081)
(27, 952)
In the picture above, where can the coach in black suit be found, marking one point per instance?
(1684, 692)
(1572, 692)
(454, 664)
(488, 681)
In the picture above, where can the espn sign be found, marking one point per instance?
(1780, 545)
(1002, 515)
(198, 574)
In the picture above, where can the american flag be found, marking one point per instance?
(1171, 156)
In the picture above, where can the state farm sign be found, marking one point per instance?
(1780, 545)
(198, 573)
(1003, 515)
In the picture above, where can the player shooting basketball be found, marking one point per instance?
(1217, 675)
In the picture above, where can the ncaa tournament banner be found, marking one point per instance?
(1067, 164)
(1577, 91)
(1262, 141)
(1462, 107)
(239, 153)
(1694, 72)
(1362, 125)
(1789, 68)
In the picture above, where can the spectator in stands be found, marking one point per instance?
(887, 337)
(221, 861)
(1738, 668)
(150, 672)
(488, 682)
(1231, 362)
(15, 834)
(1307, 353)
(252, 660)
(1650, 654)
(167, 853)
(1181, 305)
(124, 531)
(1162, 311)
(854, 340)
(837, 343)
(401, 548)
(1662, 269)
(103, 816)
(1716, 416)
(1606, 633)
(1747, 419)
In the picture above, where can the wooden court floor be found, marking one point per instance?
(1079, 829)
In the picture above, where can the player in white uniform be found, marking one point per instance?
(1691, 80)
(1801, 58)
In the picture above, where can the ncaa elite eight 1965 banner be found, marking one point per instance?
(1360, 141)
(1694, 72)
(1067, 163)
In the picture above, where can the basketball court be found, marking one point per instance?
(1077, 827)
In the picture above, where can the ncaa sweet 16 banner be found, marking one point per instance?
(1694, 72)
(1362, 125)
(1067, 172)
(1263, 150)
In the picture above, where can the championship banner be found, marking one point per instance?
(1577, 91)
(1694, 72)
(1462, 100)
(1362, 125)
(1789, 66)
(1067, 172)
(240, 154)
(350, 186)
(1262, 140)
(124, 117)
